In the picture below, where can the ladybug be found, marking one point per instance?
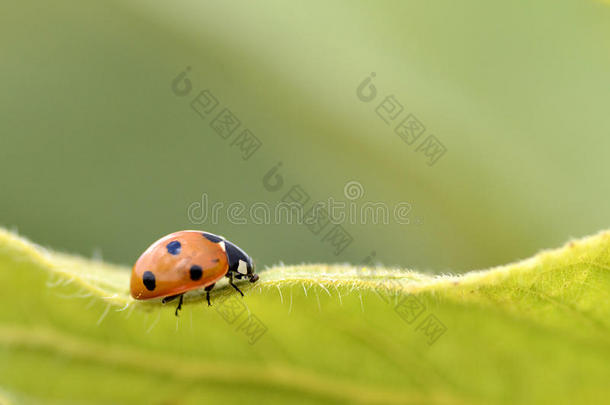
(186, 260)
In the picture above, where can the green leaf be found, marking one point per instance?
(531, 332)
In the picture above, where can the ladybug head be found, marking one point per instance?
(240, 264)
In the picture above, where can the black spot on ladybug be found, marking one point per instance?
(211, 237)
(196, 272)
(174, 247)
(149, 280)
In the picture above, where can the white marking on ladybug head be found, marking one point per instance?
(222, 246)
(242, 268)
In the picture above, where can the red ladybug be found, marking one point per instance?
(186, 260)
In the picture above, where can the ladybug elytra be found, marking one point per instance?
(186, 260)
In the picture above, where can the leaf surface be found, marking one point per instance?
(535, 331)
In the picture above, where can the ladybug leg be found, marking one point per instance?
(169, 298)
(207, 293)
(173, 297)
(179, 307)
(233, 285)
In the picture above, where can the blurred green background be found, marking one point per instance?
(97, 154)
